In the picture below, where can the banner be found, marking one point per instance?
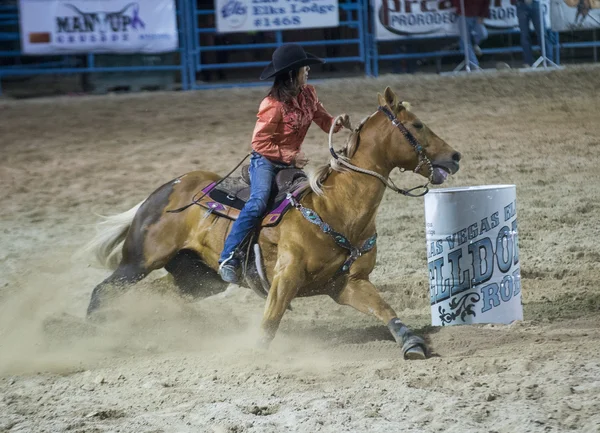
(575, 14)
(403, 19)
(399, 19)
(235, 16)
(503, 15)
(97, 26)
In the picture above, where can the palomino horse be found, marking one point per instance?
(307, 253)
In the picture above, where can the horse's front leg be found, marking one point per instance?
(284, 288)
(362, 295)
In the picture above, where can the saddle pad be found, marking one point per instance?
(225, 197)
(235, 191)
(230, 212)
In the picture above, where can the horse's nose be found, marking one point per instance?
(456, 156)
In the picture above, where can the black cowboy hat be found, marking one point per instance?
(287, 58)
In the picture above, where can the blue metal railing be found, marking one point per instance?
(353, 42)
(458, 52)
(375, 57)
(594, 44)
(352, 16)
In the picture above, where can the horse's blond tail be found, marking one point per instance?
(107, 245)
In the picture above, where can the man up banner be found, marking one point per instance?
(97, 26)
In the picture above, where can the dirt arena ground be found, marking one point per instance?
(169, 364)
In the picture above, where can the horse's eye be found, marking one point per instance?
(418, 125)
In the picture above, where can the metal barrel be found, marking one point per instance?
(473, 255)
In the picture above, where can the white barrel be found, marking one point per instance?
(473, 255)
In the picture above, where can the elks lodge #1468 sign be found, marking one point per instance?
(98, 26)
(267, 15)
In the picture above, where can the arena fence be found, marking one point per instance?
(576, 46)
(207, 59)
(106, 70)
(501, 45)
(243, 55)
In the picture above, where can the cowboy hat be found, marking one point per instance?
(287, 58)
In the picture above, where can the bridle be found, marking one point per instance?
(423, 159)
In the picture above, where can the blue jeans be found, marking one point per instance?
(525, 14)
(476, 33)
(262, 177)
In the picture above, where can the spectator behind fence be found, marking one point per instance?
(530, 10)
(474, 13)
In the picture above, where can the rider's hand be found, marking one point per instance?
(343, 121)
(300, 160)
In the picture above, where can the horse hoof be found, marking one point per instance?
(414, 353)
(102, 316)
(263, 343)
(414, 348)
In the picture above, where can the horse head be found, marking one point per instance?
(392, 137)
(409, 144)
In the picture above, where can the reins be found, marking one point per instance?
(423, 159)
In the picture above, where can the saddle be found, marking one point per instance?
(229, 197)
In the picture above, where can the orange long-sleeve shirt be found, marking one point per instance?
(281, 127)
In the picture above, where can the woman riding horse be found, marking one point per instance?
(324, 245)
(284, 117)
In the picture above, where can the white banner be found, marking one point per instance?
(98, 26)
(265, 15)
(402, 19)
(398, 19)
(575, 14)
(503, 15)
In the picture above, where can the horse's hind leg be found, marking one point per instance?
(153, 238)
(193, 277)
(123, 277)
(364, 296)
